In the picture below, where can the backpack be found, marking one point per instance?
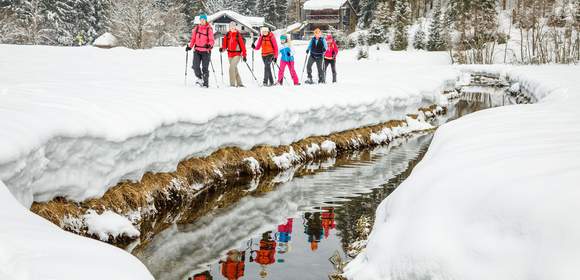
(241, 41)
(198, 33)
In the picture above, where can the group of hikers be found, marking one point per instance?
(322, 51)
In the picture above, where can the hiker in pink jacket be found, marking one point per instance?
(330, 56)
(202, 42)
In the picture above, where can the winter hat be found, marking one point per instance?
(203, 16)
(283, 38)
(329, 36)
(264, 29)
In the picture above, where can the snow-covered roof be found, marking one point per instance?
(107, 40)
(250, 22)
(323, 4)
(295, 27)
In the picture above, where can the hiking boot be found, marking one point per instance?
(309, 81)
(199, 82)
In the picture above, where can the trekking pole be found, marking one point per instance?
(221, 61)
(304, 68)
(222, 67)
(256, 79)
(283, 74)
(214, 74)
(186, 61)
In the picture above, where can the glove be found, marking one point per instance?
(253, 46)
(221, 49)
(275, 60)
(289, 53)
(307, 51)
(187, 48)
(245, 59)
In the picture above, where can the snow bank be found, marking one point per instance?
(109, 224)
(75, 127)
(33, 248)
(494, 198)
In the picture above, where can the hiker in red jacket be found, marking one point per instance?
(267, 42)
(234, 44)
(330, 56)
(233, 267)
(202, 42)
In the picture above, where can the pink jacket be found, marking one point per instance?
(202, 38)
(332, 51)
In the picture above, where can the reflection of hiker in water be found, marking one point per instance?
(267, 253)
(233, 267)
(328, 220)
(313, 228)
(201, 276)
(284, 236)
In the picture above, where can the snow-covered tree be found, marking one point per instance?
(282, 12)
(437, 41)
(401, 20)
(133, 22)
(366, 10)
(248, 7)
(419, 39)
(270, 11)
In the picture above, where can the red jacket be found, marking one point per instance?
(202, 38)
(234, 44)
(268, 45)
(332, 51)
(233, 270)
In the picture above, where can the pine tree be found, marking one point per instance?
(261, 7)
(377, 34)
(282, 12)
(419, 39)
(270, 11)
(248, 7)
(401, 20)
(436, 41)
(366, 8)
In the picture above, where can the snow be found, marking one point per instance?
(107, 40)
(286, 160)
(323, 4)
(109, 224)
(495, 196)
(32, 248)
(254, 165)
(76, 127)
(328, 146)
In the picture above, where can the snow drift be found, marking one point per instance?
(32, 248)
(494, 198)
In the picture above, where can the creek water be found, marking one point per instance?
(292, 224)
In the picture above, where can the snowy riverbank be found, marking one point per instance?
(75, 127)
(495, 196)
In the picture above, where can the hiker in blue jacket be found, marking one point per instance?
(316, 48)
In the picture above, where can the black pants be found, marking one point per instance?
(318, 60)
(268, 77)
(200, 66)
(332, 64)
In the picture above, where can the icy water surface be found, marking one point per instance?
(296, 221)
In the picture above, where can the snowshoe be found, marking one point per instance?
(309, 82)
(199, 82)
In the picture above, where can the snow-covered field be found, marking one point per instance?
(75, 121)
(495, 197)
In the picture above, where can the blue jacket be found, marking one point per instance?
(287, 53)
(315, 48)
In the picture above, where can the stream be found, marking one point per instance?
(296, 224)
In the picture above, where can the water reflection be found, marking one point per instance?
(291, 224)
